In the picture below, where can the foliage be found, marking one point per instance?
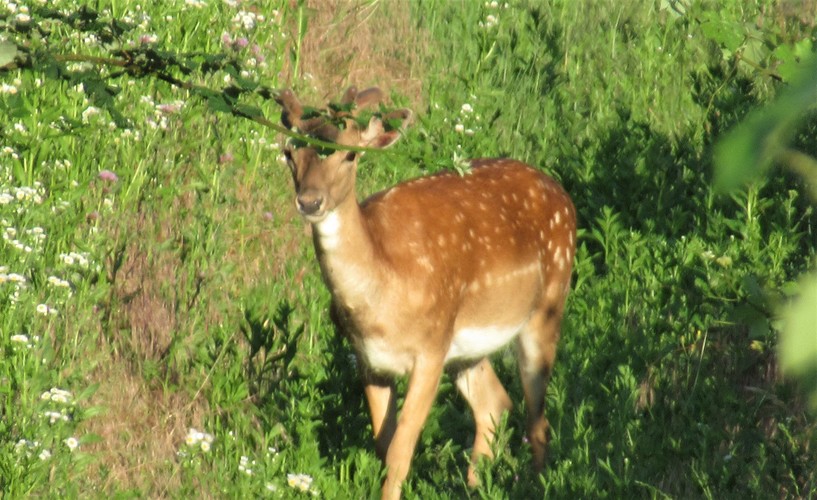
(167, 331)
(762, 139)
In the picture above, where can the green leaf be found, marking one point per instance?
(791, 58)
(8, 51)
(219, 104)
(763, 137)
(729, 35)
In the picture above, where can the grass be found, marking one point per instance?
(153, 267)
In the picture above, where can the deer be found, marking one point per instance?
(434, 275)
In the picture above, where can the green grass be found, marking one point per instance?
(194, 299)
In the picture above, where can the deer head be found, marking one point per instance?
(322, 182)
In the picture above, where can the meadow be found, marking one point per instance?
(164, 330)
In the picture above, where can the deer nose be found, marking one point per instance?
(309, 204)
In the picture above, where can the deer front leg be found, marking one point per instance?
(381, 396)
(422, 389)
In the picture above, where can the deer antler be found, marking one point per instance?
(338, 122)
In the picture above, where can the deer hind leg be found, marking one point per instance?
(537, 353)
(482, 389)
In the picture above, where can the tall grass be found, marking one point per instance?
(163, 326)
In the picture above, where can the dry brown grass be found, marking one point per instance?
(363, 43)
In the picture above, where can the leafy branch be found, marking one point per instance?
(141, 61)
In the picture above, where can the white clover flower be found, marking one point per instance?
(57, 395)
(72, 443)
(724, 261)
(44, 455)
(89, 112)
(301, 482)
(467, 108)
(193, 437)
(459, 128)
(244, 464)
(16, 278)
(19, 338)
(21, 444)
(42, 309)
(58, 282)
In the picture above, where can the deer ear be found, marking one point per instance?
(376, 136)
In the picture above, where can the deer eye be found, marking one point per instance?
(350, 156)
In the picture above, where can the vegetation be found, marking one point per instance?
(164, 329)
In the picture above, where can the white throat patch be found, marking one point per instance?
(329, 230)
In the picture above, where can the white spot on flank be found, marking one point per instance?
(425, 263)
(557, 217)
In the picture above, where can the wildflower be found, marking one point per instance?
(59, 283)
(467, 108)
(21, 444)
(108, 176)
(16, 278)
(19, 338)
(148, 38)
(45, 455)
(56, 395)
(55, 416)
(243, 465)
(71, 443)
(271, 487)
(44, 309)
(301, 482)
(724, 261)
(459, 128)
(5, 88)
(89, 112)
(170, 108)
(196, 437)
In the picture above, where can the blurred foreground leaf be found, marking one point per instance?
(798, 347)
(8, 51)
(763, 137)
(746, 152)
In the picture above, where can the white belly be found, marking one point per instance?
(468, 343)
(475, 343)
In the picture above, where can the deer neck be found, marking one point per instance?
(347, 255)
